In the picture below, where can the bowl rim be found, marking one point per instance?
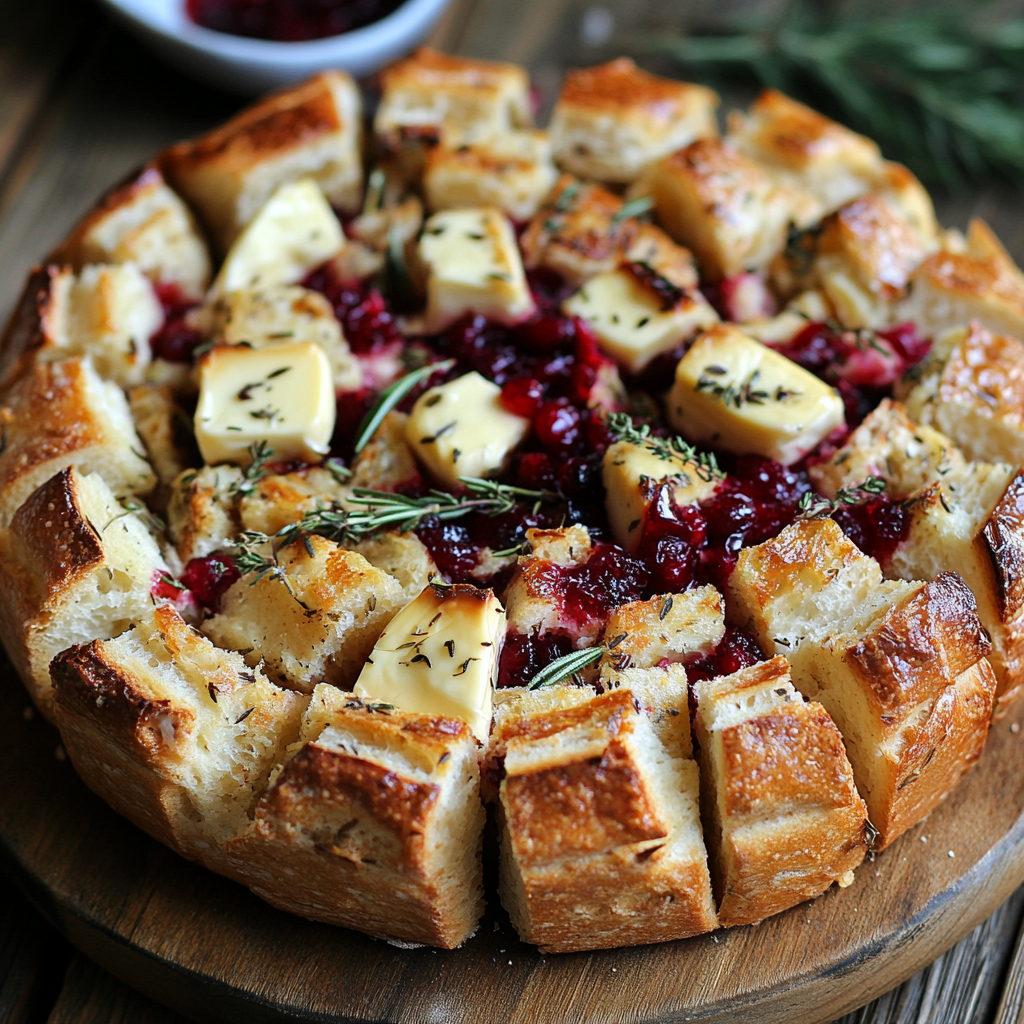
(184, 32)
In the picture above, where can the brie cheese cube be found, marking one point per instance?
(632, 475)
(631, 320)
(462, 429)
(439, 656)
(734, 393)
(295, 231)
(473, 266)
(281, 394)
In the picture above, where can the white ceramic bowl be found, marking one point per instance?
(255, 65)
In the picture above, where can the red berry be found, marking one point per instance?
(208, 578)
(558, 426)
(523, 396)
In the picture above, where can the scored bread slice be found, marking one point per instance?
(314, 617)
(63, 414)
(601, 841)
(960, 515)
(178, 736)
(901, 667)
(374, 823)
(783, 817)
(75, 566)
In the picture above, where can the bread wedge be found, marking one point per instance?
(912, 725)
(783, 817)
(601, 842)
(175, 734)
(374, 823)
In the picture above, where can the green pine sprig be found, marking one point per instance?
(939, 88)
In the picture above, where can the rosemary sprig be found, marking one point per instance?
(634, 208)
(566, 667)
(940, 89)
(391, 396)
(814, 506)
(376, 511)
(669, 449)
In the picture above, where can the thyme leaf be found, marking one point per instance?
(814, 506)
(669, 449)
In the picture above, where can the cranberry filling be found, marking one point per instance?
(174, 341)
(361, 310)
(736, 650)
(287, 21)
(209, 578)
(525, 654)
(877, 526)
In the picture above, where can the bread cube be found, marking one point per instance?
(286, 313)
(632, 474)
(912, 726)
(614, 120)
(725, 207)
(439, 656)
(777, 785)
(473, 266)
(74, 567)
(601, 840)
(314, 617)
(430, 97)
(652, 250)
(279, 499)
(387, 462)
(972, 279)
(806, 149)
(291, 234)
(143, 221)
(281, 394)
(901, 189)
(462, 429)
(638, 315)
(576, 234)
(202, 514)
(63, 414)
(178, 736)
(164, 429)
(512, 172)
(732, 392)
(403, 556)
(374, 823)
(664, 630)
(866, 253)
(971, 387)
(308, 130)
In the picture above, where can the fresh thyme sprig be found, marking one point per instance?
(634, 208)
(814, 506)
(260, 453)
(391, 396)
(566, 667)
(940, 89)
(669, 449)
(376, 511)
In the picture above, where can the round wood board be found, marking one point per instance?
(210, 949)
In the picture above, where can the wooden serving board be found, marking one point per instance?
(210, 949)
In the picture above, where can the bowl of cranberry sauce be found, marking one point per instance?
(249, 46)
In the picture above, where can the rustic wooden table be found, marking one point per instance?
(80, 105)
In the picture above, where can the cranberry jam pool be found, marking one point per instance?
(288, 21)
(550, 370)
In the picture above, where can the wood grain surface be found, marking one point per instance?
(80, 105)
(207, 947)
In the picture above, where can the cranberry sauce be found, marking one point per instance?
(877, 526)
(209, 578)
(736, 650)
(175, 341)
(288, 21)
(525, 654)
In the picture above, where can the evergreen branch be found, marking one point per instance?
(391, 396)
(940, 89)
(814, 506)
(668, 449)
(566, 667)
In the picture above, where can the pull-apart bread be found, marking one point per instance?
(358, 480)
(785, 820)
(901, 667)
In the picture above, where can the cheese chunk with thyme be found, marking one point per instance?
(633, 474)
(637, 316)
(732, 392)
(439, 656)
(473, 266)
(281, 394)
(462, 429)
(295, 231)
